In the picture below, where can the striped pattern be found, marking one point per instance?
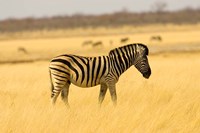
(82, 71)
(92, 71)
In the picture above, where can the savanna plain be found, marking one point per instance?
(167, 102)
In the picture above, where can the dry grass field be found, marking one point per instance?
(167, 102)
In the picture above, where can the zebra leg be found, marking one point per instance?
(54, 94)
(103, 90)
(113, 94)
(64, 94)
(57, 87)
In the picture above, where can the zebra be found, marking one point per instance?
(123, 40)
(101, 70)
(99, 43)
(22, 49)
(156, 38)
(86, 43)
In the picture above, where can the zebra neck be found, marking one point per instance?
(120, 64)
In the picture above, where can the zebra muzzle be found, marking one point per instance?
(147, 74)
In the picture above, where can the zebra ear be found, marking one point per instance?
(147, 50)
(142, 47)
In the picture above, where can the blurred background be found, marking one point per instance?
(57, 26)
(32, 32)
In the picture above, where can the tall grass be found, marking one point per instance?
(167, 102)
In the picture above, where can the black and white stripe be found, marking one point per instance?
(92, 71)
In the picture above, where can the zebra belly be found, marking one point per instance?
(84, 83)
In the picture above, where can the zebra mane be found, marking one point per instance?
(130, 45)
(122, 47)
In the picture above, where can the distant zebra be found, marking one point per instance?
(156, 38)
(99, 43)
(86, 43)
(124, 40)
(22, 49)
(92, 71)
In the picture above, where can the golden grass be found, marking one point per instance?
(167, 102)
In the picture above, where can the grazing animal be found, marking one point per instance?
(23, 50)
(86, 43)
(91, 71)
(124, 40)
(99, 43)
(156, 38)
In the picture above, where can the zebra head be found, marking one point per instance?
(141, 60)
